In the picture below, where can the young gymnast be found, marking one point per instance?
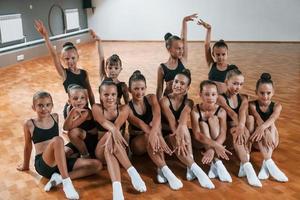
(236, 106)
(145, 129)
(50, 159)
(265, 113)
(176, 108)
(209, 127)
(216, 59)
(178, 50)
(111, 146)
(81, 127)
(69, 55)
(111, 69)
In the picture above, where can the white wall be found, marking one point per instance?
(234, 20)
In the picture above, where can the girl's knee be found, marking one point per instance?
(57, 140)
(213, 119)
(74, 133)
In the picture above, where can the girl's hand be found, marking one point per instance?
(39, 26)
(268, 140)
(154, 141)
(163, 146)
(258, 134)
(118, 139)
(181, 145)
(208, 156)
(79, 112)
(190, 17)
(94, 35)
(238, 135)
(21, 167)
(204, 24)
(221, 151)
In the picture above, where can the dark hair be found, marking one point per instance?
(41, 95)
(265, 78)
(136, 76)
(207, 82)
(113, 60)
(169, 38)
(233, 72)
(74, 87)
(68, 46)
(107, 82)
(187, 73)
(220, 44)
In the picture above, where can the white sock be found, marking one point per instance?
(202, 177)
(241, 171)
(189, 174)
(222, 172)
(251, 175)
(136, 180)
(275, 172)
(69, 189)
(54, 181)
(117, 191)
(174, 182)
(212, 171)
(160, 176)
(263, 173)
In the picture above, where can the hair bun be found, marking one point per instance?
(68, 44)
(167, 36)
(265, 76)
(187, 72)
(137, 72)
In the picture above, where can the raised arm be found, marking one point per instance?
(207, 49)
(184, 33)
(102, 74)
(160, 82)
(39, 26)
(27, 147)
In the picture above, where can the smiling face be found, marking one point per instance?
(220, 54)
(78, 98)
(180, 84)
(265, 92)
(108, 95)
(235, 84)
(138, 89)
(209, 94)
(176, 49)
(43, 106)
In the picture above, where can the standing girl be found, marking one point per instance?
(111, 69)
(50, 159)
(236, 106)
(145, 129)
(266, 112)
(176, 108)
(209, 127)
(216, 59)
(69, 55)
(111, 146)
(178, 50)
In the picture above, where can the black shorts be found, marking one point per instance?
(46, 171)
(90, 142)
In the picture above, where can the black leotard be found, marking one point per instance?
(169, 74)
(236, 110)
(264, 115)
(217, 75)
(41, 135)
(78, 79)
(146, 117)
(200, 115)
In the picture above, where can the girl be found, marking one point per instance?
(81, 127)
(239, 121)
(111, 146)
(111, 69)
(50, 159)
(69, 55)
(266, 112)
(178, 50)
(145, 129)
(209, 127)
(216, 59)
(176, 108)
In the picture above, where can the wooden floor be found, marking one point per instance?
(19, 82)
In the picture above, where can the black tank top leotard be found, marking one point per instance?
(264, 115)
(100, 127)
(78, 79)
(200, 115)
(236, 110)
(169, 74)
(88, 124)
(177, 112)
(120, 85)
(41, 135)
(146, 117)
(217, 75)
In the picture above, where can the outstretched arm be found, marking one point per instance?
(100, 54)
(207, 49)
(39, 26)
(184, 33)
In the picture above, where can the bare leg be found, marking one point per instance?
(77, 137)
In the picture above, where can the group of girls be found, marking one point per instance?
(158, 124)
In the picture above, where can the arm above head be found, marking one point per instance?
(207, 48)
(100, 54)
